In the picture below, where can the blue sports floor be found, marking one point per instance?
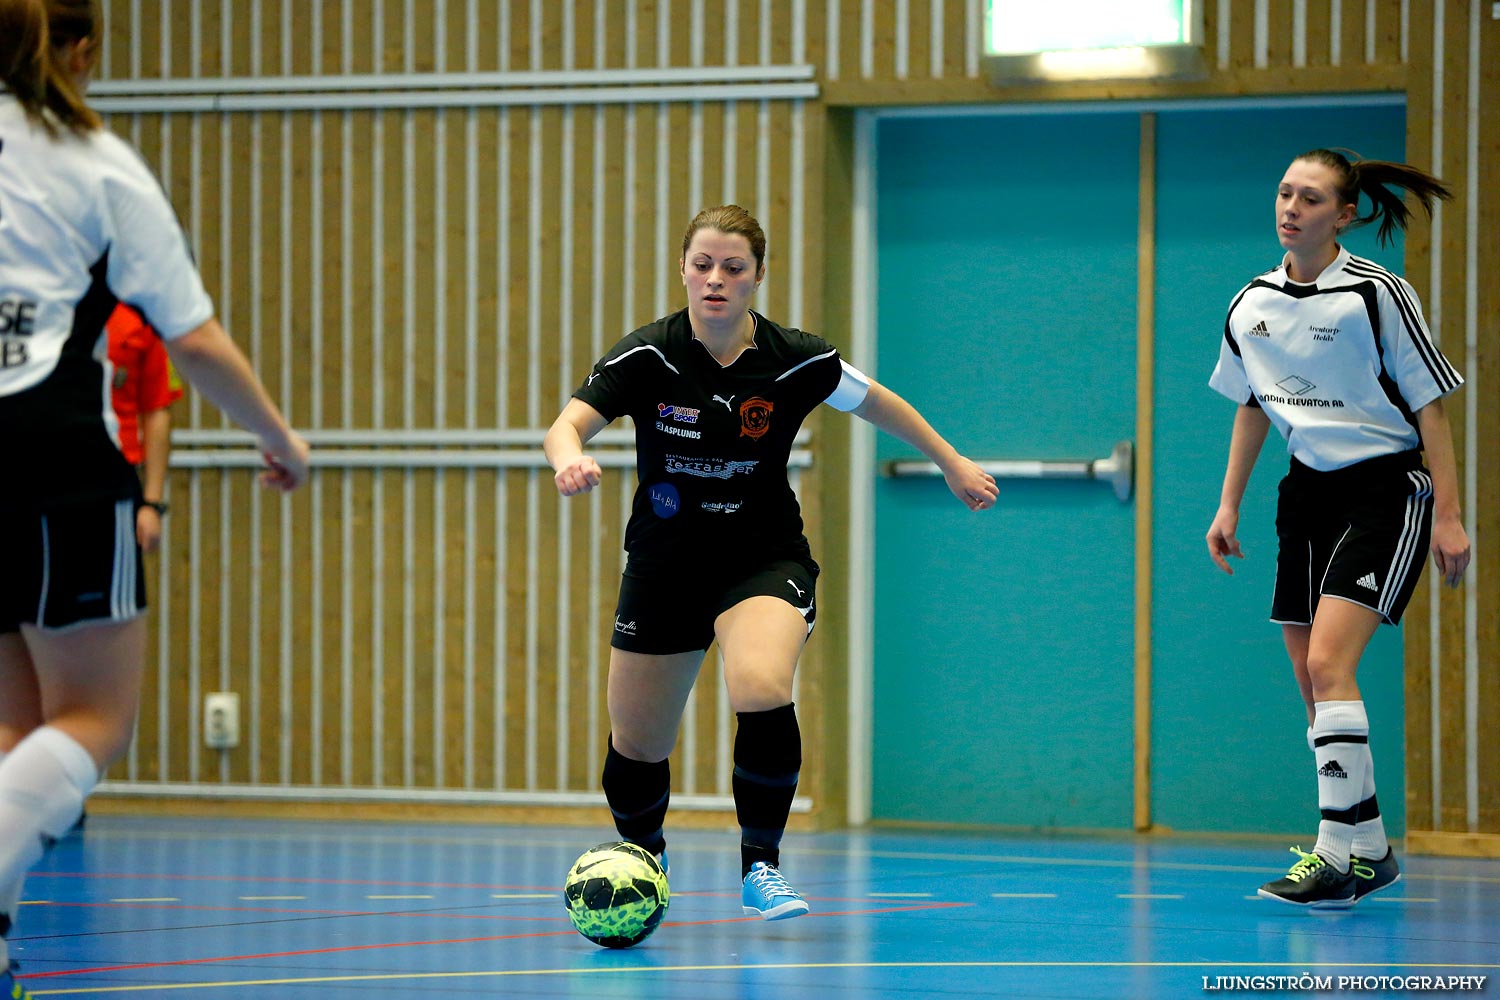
(216, 909)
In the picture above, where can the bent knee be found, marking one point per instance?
(1328, 672)
(651, 748)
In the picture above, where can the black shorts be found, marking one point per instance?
(72, 564)
(1359, 533)
(674, 613)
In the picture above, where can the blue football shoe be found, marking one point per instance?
(768, 895)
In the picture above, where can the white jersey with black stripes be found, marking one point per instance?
(83, 224)
(1341, 364)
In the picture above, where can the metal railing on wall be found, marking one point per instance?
(353, 92)
(1117, 469)
(316, 741)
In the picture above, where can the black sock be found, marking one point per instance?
(638, 792)
(767, 759)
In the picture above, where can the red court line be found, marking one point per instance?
(329, 913)
(288, 879)
(214, 909)
(477, 940)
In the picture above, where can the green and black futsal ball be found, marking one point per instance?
(616, 894)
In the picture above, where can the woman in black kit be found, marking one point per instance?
(715, 542)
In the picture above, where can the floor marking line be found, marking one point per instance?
(530, 895)
(285, 879)
(768, 966)
(477, 940)
(1148, 895)
(1031, 861)
(398, 897)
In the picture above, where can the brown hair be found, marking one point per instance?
(730, 219)
(31, 33)
(1371, 178)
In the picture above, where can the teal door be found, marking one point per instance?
(1003, 657)
(1006, 314)
(1229, 750)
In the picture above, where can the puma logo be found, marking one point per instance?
(592, 376)
(726, 402)
(798, 589)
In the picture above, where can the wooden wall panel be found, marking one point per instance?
(1241, 34)
(1318, 32)
(1352, 33)
(1484, 378)
(1388, 18)
(1418, 619)
(1452, 162)
(1279, 32)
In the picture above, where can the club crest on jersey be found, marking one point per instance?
(755, 417)
(121, 377)
(681, 414)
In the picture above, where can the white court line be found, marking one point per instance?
(1023, 895)
(524, 895)
(398, 897)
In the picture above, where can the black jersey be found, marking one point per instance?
(83, 223)
(712, 441)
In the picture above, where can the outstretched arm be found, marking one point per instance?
(563, 445)
(212, 364)
(894, 415)
(1250, 427)
(1450, 543)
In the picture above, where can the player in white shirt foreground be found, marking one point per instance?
(1333, 350)
(83, 224)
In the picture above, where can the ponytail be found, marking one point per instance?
(1374, 179)
(30, 31)
(1372, 176)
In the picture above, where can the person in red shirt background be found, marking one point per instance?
(144, 386)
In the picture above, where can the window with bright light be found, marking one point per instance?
(1015, 27)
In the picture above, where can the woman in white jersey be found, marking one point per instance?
(1333, 350)
(83, 224)
(715, 540)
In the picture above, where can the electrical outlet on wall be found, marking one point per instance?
(221, 720)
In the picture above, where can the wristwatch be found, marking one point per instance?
(159, 506)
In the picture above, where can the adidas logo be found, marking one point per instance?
(1258, 330)
(1368, 582)
(1332, 769)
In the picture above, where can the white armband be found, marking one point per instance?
(852, 388)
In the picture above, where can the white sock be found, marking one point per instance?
(43, 783)
(1341, 735)
(1369, 841)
